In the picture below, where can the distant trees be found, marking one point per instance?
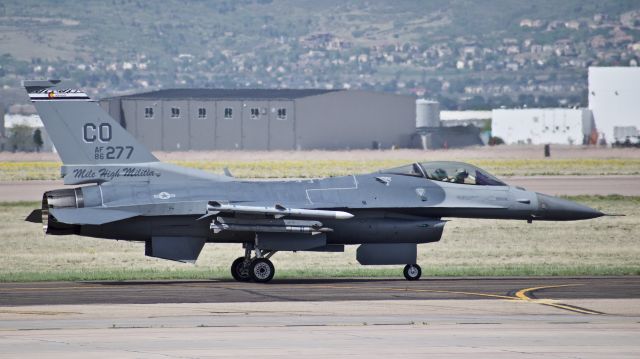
(496, 141)
(37, 139)
(21, 138)
(24, 138)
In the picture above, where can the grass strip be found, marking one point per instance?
(19, 171)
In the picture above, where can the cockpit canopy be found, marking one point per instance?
(453, 172)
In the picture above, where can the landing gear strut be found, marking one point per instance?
(259, 268)
(412, 272)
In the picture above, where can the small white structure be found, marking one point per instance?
(11, 120)
(614, 99)
(427, 113)
(465, 118)
(542, 125)
(33, 121)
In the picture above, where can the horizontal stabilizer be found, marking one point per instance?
(94, 216)
(35, 216)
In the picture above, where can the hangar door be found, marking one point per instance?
(228, 131)
(281, 125)
(255, 125)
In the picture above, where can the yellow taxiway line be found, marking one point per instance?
(520, 296)
(523, 295)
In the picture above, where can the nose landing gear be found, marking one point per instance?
(412, 272)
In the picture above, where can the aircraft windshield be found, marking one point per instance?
(458, 172)
(408, 170)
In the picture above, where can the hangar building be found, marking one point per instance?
(265, 119)
(543, 125)
(612, 113)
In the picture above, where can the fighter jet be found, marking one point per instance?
(125, 193)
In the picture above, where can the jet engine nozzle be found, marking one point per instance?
(62, 198)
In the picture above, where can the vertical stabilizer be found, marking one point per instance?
(82, 132)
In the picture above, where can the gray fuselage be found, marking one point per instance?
(385, 206)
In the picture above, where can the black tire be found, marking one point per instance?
(412, 272)
(239, 271)
(262, 270)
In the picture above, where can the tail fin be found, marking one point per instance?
(82, 132)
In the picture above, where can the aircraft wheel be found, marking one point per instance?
(262, 270)
(240, 271)
(412, 272)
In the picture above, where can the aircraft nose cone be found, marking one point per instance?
(558, 209)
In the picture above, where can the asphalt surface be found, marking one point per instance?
(149, 292)
(554, 185)
(556, 317)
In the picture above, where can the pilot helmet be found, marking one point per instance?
(462, 173)
(439, 173)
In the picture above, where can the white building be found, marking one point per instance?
(614, 99)
(542, 125)
(465, 118)
(11, 120)
(33, 121)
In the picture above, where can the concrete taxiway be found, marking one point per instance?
(486, 318)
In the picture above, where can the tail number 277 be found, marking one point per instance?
(116, 152)
(113, 152)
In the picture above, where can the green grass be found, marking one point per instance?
(361, 272)
(603, 246)
(313, 168)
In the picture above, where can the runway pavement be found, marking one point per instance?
(204, 291)
(555, 185)
(484, 318)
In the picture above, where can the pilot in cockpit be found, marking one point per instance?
(439, 175)
(461, 176)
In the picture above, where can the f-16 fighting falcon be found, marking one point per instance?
(127, 194)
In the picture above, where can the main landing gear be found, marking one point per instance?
(258, 269)
(412, 272)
